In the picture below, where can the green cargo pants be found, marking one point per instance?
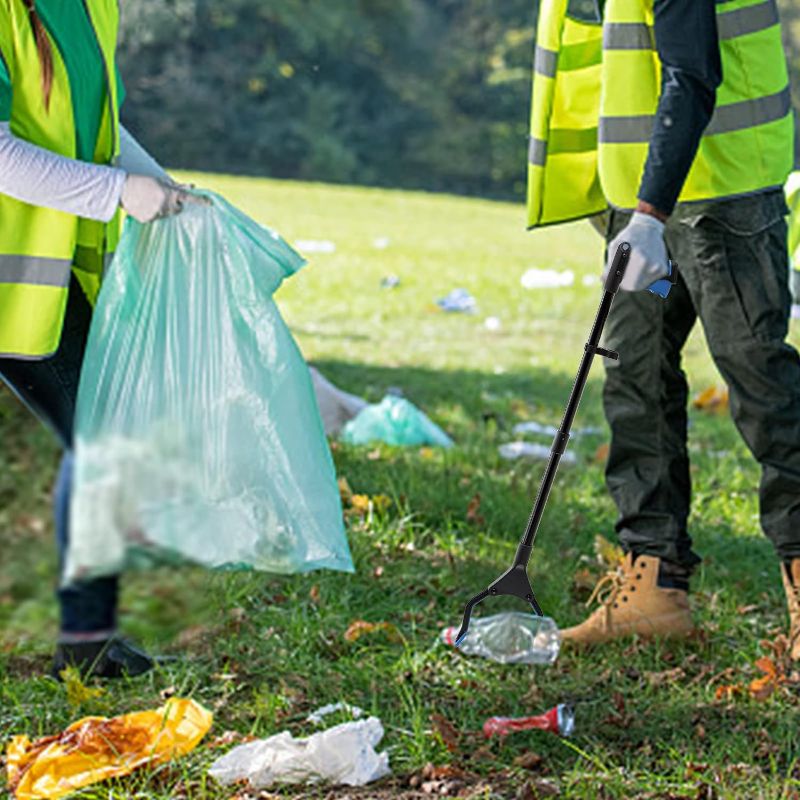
(733, 266)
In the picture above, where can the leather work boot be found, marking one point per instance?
(112, 658)
(632, 602)
(791, 583)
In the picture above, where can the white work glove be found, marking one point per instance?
(147, 199)
(649, 260)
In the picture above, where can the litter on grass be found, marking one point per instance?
(344, 754)
(314, 246)
(381, 242)
(510, 638)
(559, 720)
(548, 430)
(547, 278)
(492, 323)
(317, 716)
(395, 421)
(390, 282)
(95, 749)
(458, 301)
(514, 450)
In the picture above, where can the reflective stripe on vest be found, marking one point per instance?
(793, 201)
(39, 247)
(748, 145)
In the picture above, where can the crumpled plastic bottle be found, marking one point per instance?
(510, 638)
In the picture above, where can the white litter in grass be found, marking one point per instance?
(381, 243)
(317, 716)
(342, 754)
(458, 301)
(590, 280)
(492, 323)
(548, 430)
(314, 246)
(514, 450)
(547, 278)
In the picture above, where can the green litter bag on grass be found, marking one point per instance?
(198, 438)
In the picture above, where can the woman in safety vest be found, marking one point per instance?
(67, 166)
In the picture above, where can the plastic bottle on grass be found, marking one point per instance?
(510, 638)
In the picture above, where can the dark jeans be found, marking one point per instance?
(734, 274)
(49, 387)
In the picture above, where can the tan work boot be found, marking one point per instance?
(791, 583)
(631, 602)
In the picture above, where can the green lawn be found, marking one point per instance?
(261, 652)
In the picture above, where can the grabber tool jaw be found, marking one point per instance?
(513, 582)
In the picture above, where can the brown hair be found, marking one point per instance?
(45, 53)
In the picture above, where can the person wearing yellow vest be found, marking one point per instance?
(67, 169)
(673, 120)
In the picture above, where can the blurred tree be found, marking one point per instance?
(411, 93)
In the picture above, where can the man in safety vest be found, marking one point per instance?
(676, 116)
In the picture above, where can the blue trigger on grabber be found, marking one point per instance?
(662, 287)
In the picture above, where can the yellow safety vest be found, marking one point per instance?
(793, 201)
(595, 95)
(39, 247)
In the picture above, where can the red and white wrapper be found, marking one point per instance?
(559, 720)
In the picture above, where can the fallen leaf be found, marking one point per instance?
(360, 627)
(610, 555)
(666, 677)
(727, 691)
(601, 454)
(761, 688)
(712, 398)
(345, 491)
(530, 761)
(473, 511)
(314, 593)
(447, 732)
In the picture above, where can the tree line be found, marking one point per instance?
(430, 94)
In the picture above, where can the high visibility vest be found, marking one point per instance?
(595, 96)
(793, 201)
(40, 248)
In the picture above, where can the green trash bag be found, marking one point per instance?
(198, 439)
(395, 421)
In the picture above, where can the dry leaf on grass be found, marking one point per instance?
(761, 688)
(474, 511)
(666, 677)
(601, 454)
(712, 398)
(447, 732)
(360, 627)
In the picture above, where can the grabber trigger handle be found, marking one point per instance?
(663, 286)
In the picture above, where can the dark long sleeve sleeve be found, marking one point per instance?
(688, 47)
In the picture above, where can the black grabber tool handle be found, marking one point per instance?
(515, 581)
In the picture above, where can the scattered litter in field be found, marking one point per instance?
(315, 246)
(381, 242)
(492, 323)
(395, 421)
(317, 716)
(344, 754)
(514, 450)
(390, 282)
(549, 430)
(336, 407)
(95, 749)
(559, 720)
(458, 301)
(547, 278)
(713, 399)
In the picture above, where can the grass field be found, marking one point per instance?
(261, 652)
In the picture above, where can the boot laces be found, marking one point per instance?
(608, 587)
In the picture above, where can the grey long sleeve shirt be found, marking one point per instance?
(688, 47)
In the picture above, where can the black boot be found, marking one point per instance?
(112, 658)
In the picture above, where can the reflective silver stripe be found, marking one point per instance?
(732, 117)
(545, 62)
(628, 36)
(537, 152)
(626, 130)
(35, 271)
(750, 19)
(750, 113)
(730, 24)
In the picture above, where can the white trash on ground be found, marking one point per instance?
(317, 716)
(514, 450)
(315, 246)
(458, 301)
(546, 278)
(344, 754)
(548, 430)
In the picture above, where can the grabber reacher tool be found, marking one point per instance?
(515, 581)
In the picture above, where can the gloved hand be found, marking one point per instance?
(147, 199)
(649, 260)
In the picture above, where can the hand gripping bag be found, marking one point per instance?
(198, 437)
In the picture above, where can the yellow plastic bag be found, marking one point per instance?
(96, 748)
